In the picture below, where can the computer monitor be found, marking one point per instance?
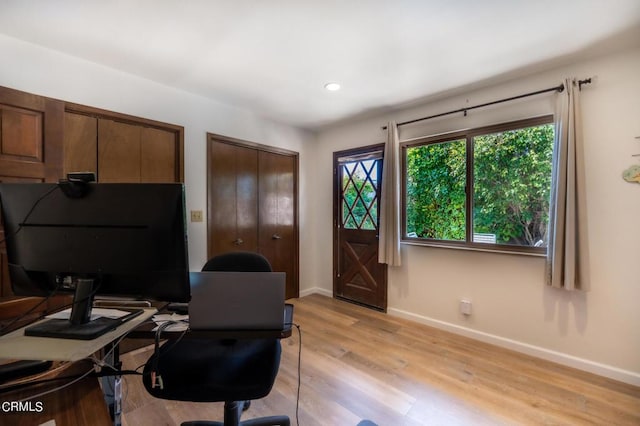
(91, 240)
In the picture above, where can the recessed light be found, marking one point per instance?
(332, 86)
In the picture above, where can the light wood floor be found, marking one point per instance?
(359, 364)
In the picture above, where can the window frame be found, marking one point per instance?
(468, 135)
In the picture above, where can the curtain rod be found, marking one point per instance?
(559, 88)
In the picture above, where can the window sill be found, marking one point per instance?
(481, 248)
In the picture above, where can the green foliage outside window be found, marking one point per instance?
(436, 191)
(511, 178)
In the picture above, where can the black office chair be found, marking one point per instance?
(239, 261)
(233, 371)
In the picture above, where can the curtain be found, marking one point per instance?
(389, 235)
(567, 231)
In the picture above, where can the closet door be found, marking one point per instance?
(232, 201)
(276, 233)
(252, 203)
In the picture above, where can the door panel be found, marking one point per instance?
(232, 188)
(31, 131)
(276, 196)
(26, 122)
(246, 199)
(358, 277)
(80, 143)
(22, 136)
(360, 273)
(118, 152)
(158, 156)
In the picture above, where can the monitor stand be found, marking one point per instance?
(79, 325)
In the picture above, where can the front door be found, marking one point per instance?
(358, 277)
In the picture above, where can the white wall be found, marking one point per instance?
(599, 330)
(33, 69)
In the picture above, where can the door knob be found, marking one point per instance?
(238, 241)
(275, 237)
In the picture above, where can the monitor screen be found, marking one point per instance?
(123, 239)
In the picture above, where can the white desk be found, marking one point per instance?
(16, 345)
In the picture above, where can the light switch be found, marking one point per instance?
(196, 215)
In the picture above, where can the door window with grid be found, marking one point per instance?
(360, 194)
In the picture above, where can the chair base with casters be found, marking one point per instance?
(232, 412)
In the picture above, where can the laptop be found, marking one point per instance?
(237, 300)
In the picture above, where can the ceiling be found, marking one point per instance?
(275, 56)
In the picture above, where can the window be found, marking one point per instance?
(360, 194)
(485, 188)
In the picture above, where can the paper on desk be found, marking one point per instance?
(180, 322)
(95, 313)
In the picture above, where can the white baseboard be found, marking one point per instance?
(611, 372)
(316, 290)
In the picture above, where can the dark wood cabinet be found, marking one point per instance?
(26, 122)
(160, 153)
(252, 203)
(80, 143)
(121, 149)
(43, 139)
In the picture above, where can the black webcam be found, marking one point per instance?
(76, 185)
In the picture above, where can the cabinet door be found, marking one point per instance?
(232, 199)
(30, 151)
(158, 156)
(276, 235)
(80, 143)
(118, 151)
(26, 122)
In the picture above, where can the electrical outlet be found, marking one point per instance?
(196, 215)
(465, 307)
